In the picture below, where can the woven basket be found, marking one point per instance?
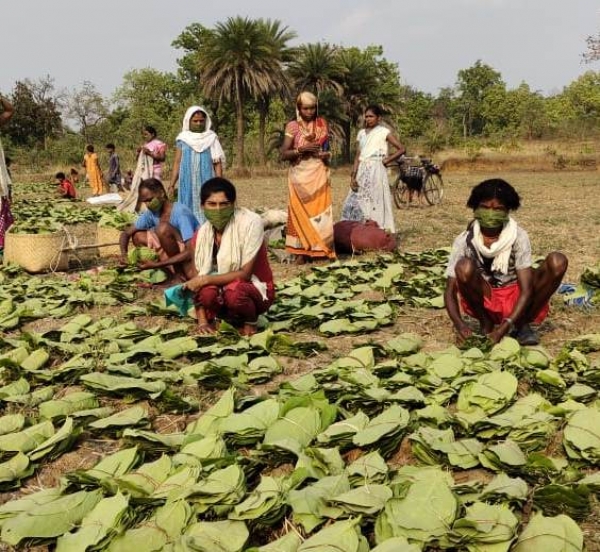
(36, 252)
(84, 234)
(106, 234)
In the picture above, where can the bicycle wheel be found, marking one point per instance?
(433, 188)
(401, 195)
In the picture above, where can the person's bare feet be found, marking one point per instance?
(205, 328)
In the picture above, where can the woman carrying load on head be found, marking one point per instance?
(6, 218)
(310, 216)
(198, 158)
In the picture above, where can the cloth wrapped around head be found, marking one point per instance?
(200, 141)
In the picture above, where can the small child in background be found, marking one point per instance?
(74, 176)
(65, 187)
(128, 179)
(114, 169)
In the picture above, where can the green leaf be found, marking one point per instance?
(550, 534)
(51, 519)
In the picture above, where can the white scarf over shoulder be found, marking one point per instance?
(242, 239)
(200, 141)
(375, 143)
(500, 250)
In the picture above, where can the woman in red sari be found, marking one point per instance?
(310, 217)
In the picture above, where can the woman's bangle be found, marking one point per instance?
(510, 322)
(297, 151)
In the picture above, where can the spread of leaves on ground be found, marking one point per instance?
(349, 422)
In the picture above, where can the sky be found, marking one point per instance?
(539, 42)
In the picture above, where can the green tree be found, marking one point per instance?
(87, 107)
(147, 96)
(237, 64)
(37, 113)
(473, 85)
(316, 68)
(366, 78)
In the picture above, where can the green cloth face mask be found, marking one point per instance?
(490, 218)
(219, 217)
(155, 205)
(196, 127)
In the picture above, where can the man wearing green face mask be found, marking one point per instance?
(490, 275)
(165, 227)
(232, 278)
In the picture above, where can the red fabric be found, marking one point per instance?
(501, 302)
(261, 269)
(6, 219)
(238, 301)
(69, 190)
(369, 237)
(341, 235)
(354, 237)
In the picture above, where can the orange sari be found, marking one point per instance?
(310, 214)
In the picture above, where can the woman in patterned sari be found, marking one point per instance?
(310, 218)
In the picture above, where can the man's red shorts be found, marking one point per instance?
(499, 305)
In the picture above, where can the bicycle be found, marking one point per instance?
(417, 175)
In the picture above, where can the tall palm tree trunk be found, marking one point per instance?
(239, 113)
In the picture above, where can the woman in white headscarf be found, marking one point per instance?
(6, 218)
(198, 157)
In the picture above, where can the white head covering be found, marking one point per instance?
(198, 141)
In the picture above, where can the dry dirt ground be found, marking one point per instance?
(560, 210)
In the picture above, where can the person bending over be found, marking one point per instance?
(232, 278)
(490, 274)
(64, 187)
(165, 227)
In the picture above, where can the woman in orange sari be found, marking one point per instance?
(310, 217)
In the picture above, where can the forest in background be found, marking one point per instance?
(247, 75)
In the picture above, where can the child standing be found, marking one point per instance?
(93, 170)
(114, 169)
(65, 187)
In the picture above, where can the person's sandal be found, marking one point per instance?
(526, 335)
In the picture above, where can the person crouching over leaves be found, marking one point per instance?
(233, 278)
(165, 227)
(490, 273)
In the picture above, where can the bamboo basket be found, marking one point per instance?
(108, 235)
(83, 235)
(36, 252)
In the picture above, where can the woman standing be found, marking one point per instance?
(150, 160)
(198, 158)
(155, 149)
(370, 197)
(6, 218)
(310, 218)
(93, 170)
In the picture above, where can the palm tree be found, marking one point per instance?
(238, 63)
(279, 86)
(316, 68)
(365, 80)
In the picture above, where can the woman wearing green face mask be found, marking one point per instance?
(232, 277)
(198, 157)
(165, 227)
(490, 273)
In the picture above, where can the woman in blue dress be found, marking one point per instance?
(198, 158)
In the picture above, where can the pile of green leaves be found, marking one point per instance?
(319, 453)
(359, 296)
